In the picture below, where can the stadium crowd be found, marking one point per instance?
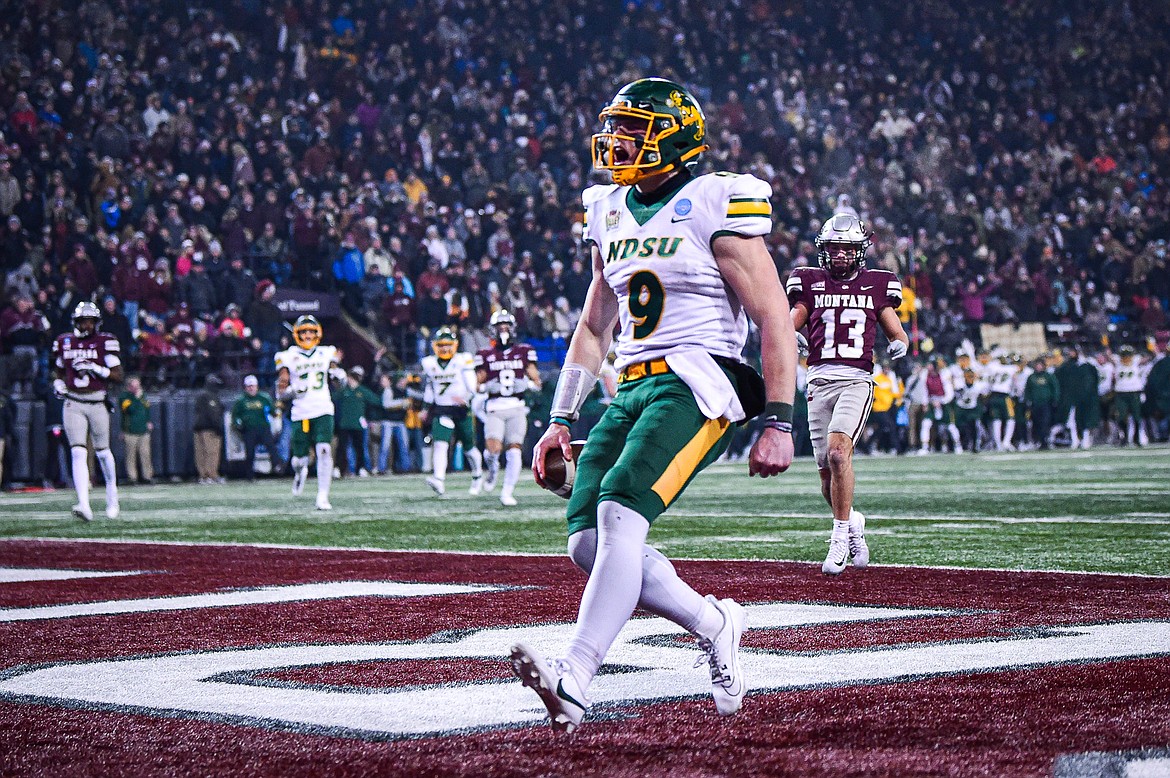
(182, 162)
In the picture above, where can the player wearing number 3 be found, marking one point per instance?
(303, 373)
(843, 303)
(679, 264)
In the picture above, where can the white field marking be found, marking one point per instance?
(215, 684)
(265, 595)
(1148, 768)
(558, 555)
(1148, 518)
(30, 574)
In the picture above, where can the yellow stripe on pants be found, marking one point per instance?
(682, 467)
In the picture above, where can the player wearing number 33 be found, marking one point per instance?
(679, 264)
(843, 303)
(303, 373)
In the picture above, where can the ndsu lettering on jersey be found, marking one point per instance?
(643, 248)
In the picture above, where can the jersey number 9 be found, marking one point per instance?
(645, 300)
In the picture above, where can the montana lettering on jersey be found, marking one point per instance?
(504, 366)
(843, 315)
(71, 354)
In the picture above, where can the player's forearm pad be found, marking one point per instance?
(573, 385)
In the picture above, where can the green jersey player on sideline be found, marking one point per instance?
(679, 263)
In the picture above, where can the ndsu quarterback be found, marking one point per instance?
(843, 303)
(85, 362)
(679, 264)
(505, 372)
(303, 373)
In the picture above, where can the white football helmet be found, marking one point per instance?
(842, 229)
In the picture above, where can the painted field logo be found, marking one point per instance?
(220, 684)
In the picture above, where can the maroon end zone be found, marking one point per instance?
(1015, 721)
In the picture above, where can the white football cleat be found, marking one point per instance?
(721, 653)
(300, 475)
(838, 556)
(437, 484)
(83, 512)
(476, 487)
(858, 548)
(506, 498)
(113, 510)
(555, 685)
(323, 504)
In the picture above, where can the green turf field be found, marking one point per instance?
(1105, 510)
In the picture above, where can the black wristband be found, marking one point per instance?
(775, 411)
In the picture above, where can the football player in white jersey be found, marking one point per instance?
(303, 372)
(1001, 406)
(450, 385)
(679, 263)
(1130, 376)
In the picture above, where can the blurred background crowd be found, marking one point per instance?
(183, 162)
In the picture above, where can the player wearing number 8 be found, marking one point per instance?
(843, 303)
(679, 264)
(505, 372)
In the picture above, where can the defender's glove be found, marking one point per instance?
(59, 388)
(801, 344)
(896, 350)
(93, 368)
(492, 386)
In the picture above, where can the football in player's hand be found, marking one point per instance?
(559, 474)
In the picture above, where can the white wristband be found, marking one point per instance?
(573, 385)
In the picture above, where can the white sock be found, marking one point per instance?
(663, 592)
(613, 590)
(1130, 429)
(105, 459)
(512, 463)
(997, 434)
(841, 529)
(1009, 431)
(324, 470)
(475, 459)
(956, 438)
(299, 463)
(924, 433)
(492, 460)
(80, 457)
(439, 458)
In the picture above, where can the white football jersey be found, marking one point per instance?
(1020, 381)
(659, 263)
(1131, 377)
(1105, 374)
(308, 375)
(452, 383)
(999, 377)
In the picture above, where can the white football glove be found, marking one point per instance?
(492, 386)
(896, 350)
(92, 368)
(801, 344)
(59, 388)
(337, 374)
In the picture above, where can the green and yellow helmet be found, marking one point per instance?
(445, 343)
(662, 120)
(307, 332)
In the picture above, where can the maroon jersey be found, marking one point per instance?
(73, 355)
(843, 315)
(506, 370)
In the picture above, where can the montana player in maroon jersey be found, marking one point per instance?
(505, 371)
(843, 303)
(85, 362)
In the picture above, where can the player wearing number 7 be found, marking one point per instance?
(843, 303)
(679, 264)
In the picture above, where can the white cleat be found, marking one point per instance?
(858, 548)
(721, 653)
(838, 556)
(437, 484)
(506, 498)
(83, 512)
(476, 487)
(555, 685)
(300, 475)
(489, 480)
(323, 504)
(113, 510)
